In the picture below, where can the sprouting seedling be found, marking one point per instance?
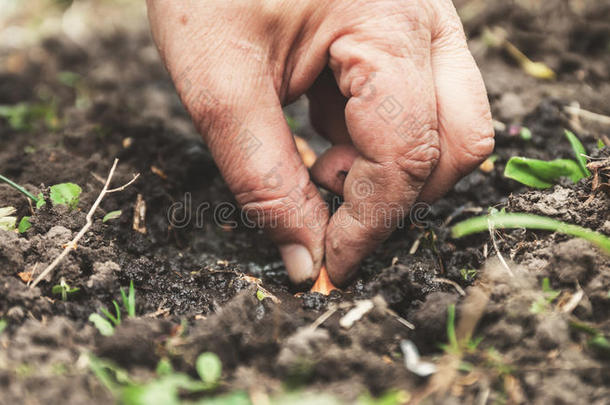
(106, 325)
(543, 303)
(23, 116)
(452, 346)
(597, 340)
(65, 194)
(501, 220)
(63, 289)
(544, 174)
(167, 386)
(468, 274)
(61, 194)
(455, 346)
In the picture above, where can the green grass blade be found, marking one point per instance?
(451, 335)
(117, 309)
(579, 151)
(108, 315)
(528, 221)
(105, 327)
(18, 188)
(540, 173)
(131, 301)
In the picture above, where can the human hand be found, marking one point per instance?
(391, 84)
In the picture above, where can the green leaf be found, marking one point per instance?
(391, 397)
(164, 367)
(40, 201)
(260, 295)
(101, 324)
(600, 343)
(209, 368)
(600, 144)
(528, 221)
(112, 215)
(24, 225)
(453, 345)
(539, 173)
(23, 116)
(525, 134)
(57, 289)
(3, 325)
(117, 310)
(163, 391)
(65, 194)
(129, 301)
(115, 319)
(551, 294)
(579, 152)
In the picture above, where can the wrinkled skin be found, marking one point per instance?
(391, 84)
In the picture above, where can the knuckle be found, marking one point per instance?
(420, 157)
(480, 141)
(447, 25)
(268, 203)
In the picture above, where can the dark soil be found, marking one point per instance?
(194, 283)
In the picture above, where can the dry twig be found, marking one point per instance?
(73, 243)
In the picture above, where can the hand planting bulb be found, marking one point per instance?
(391, 85)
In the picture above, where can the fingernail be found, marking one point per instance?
(298, 262)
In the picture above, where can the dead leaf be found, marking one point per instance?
(158, 172)
(139, 215)
(25, 276)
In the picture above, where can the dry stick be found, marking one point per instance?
(495, 244)
(588, 115)
(73, 243)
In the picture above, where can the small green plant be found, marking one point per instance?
(391, 397)
(63, 289)
(597, 340)
(24, 116)
(3, 325)
(454, 346)
(468, 274)
(61, 194)
(544, 174)
(543, 303)
(112, 215)
(106, 325)
(164, 389)
(65, 194)
(502, 220)
(24, 224)
(495, 360)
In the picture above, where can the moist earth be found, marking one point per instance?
(199, 277)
